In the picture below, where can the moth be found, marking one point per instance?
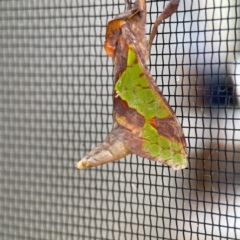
(144, 122)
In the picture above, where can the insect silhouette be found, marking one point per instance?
(144, 122)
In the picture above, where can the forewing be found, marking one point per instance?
(145, 122)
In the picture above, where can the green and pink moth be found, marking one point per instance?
(144, 123)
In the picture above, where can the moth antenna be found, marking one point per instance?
(167, 12)
(110, 150)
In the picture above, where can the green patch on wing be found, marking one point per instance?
(134, 87)
(159, 146)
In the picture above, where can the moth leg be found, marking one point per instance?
(167, 12)
(140, 4)
(129, 4)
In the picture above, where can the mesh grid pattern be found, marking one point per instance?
(56, 87)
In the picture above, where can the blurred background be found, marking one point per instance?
(56, 86)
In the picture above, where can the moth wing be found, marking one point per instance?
(144, 121)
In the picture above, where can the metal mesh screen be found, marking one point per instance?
(56, 87)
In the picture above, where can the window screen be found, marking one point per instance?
(56, 86)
